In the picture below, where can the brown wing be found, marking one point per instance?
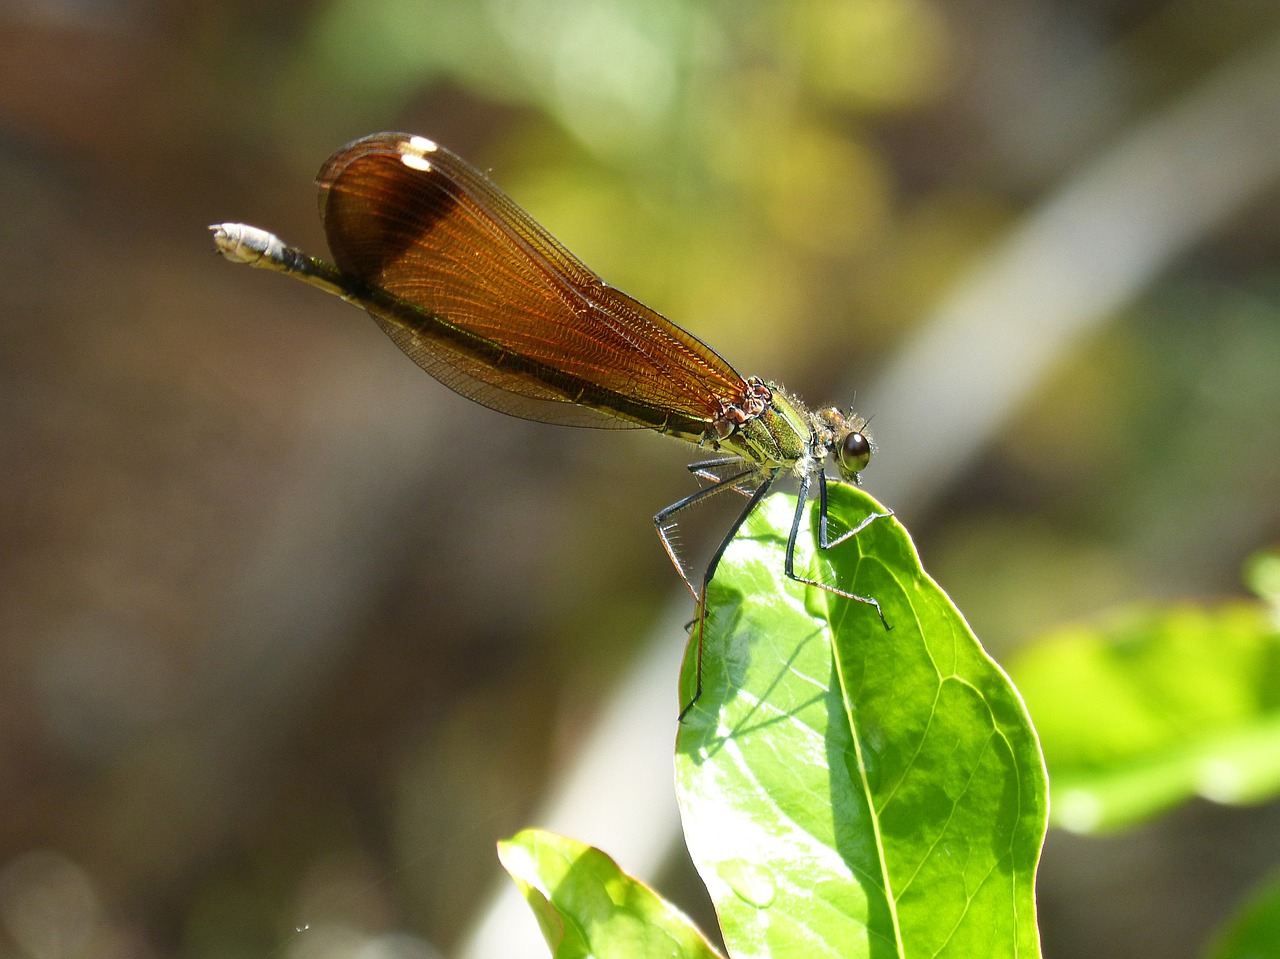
(510, 317)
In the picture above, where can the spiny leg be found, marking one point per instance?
(662, 523)
(707, 470)
(707, 576)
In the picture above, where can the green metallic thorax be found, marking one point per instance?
(779, 437)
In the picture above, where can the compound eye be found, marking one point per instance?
(854, 453)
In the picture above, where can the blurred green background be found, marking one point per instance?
(290, 635)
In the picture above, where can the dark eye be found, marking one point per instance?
(854, 453)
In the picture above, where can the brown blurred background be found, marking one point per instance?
(290, 634)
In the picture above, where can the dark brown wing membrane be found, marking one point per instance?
(510, 318)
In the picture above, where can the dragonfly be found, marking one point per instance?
(489, 303)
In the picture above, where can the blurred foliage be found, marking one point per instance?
(1254, 932)
(1143, 711)
(587, 906)
(288, 634)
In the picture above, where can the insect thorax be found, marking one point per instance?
(770, 427)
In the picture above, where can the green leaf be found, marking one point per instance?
(849, 790)
(1254, 932)
(1149, 707)
(587, 906)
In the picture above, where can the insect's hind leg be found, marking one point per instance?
(710, 572)
(711, 471)
(663, 520)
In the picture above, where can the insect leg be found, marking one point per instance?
(790, 565)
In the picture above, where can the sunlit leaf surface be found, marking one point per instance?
(847, 790)
(587, 906)
(1150, 707)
